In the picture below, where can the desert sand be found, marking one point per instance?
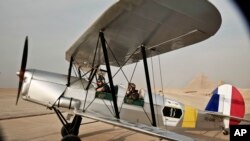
(31, 122)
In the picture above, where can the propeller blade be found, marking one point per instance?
(23, 68)
(25, 54)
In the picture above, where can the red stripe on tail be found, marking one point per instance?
(237, 106)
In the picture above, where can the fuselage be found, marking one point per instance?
(49, 89)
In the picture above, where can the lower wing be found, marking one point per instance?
(149, 130)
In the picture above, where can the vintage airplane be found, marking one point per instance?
(129, 31)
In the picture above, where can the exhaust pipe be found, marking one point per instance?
(69, 103)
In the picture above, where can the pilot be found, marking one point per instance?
(102, 86)
(132, 93)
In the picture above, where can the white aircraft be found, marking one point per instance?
(129, 31)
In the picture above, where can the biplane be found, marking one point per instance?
(127, 32)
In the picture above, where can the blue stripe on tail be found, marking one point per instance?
(213, 104)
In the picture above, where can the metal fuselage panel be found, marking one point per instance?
(43, 87)
(131, 113)
(137, 114)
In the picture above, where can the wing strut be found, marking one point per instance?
(105, 53)
(144, 57)
(70, 69)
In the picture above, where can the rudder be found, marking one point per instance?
(226, 99)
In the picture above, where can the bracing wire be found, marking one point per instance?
(116, 60)
(89, 104)
(120, 68)
(147, 115)
(125, 62)
(133, 72)
(112, 106)
(93, 64)
(129, 82)
(108, 107)
(74, 68)
(162, 90)
(153, 76)
(159, 58)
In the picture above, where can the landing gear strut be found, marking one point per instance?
(72, 128)
(69, 131)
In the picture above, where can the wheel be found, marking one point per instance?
(64, 131)
(71, 138)
(225, 132)
(69, 128)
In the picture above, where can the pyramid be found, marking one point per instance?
(202, 82)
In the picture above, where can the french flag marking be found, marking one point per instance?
(226, 99)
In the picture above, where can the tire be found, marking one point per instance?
(64, 131)
(69, 128)
(225, 132)
(71, 138)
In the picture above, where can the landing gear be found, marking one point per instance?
(66, 129)
(71, 138)
(72, 128)
(69, 131)
(225, 132)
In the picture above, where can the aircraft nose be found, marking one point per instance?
(24, 75)
(25, 80)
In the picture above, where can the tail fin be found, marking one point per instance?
(227, 100)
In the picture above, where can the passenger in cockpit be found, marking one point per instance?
(102, 86)
(132, 93)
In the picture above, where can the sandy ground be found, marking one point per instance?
(31, 122)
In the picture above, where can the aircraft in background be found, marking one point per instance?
(130, 31)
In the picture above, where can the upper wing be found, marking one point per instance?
(161, 25)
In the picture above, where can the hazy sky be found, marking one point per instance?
(52, 26)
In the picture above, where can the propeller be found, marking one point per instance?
(23, 68)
